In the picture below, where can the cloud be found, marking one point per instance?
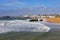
(31, 11)
(15, 3)
(12, 4)
(13, 7)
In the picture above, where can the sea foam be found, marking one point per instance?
(20, 25)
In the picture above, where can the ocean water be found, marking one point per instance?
(53, 34)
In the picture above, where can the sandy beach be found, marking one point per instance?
(53, 20)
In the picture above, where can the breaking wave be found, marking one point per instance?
(19, 25)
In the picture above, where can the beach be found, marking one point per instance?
(55, 20)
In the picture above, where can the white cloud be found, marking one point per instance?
(13, 4)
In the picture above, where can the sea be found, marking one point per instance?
(53, 34)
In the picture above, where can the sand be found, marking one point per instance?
(54, 20)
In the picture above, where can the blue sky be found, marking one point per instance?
(22, 7)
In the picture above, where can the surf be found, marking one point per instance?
(21, 25)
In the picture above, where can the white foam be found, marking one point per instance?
(19, 25)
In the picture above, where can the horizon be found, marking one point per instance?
(29, 7)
